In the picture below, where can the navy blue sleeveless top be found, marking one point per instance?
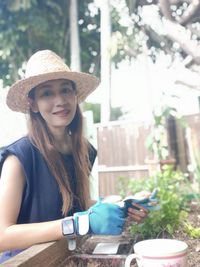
(42, 200)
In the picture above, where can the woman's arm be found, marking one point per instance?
(13, 236)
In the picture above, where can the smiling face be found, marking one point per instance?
(56, 101)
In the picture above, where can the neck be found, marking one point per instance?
(62, 141)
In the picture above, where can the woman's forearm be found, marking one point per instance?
(22, 236)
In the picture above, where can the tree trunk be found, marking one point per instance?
(74, 36)
(105, 60)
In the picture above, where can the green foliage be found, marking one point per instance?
(124, 43)
(193, 232)
(95, 108)
(89, 30)
(115, 113)
(193, 187)
(123, 186)
(173, 199)
(28, 26)
(193, 194)
(170, 185)
(173, 186)
(126, 186)
(196, 173)
(157, 141)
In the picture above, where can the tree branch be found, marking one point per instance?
(178, 33)
(178, 2)
(191, 86)
(166, 10)
(190, 12)
(194, 30)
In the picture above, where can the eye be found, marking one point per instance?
(46, 93)
(68, 91)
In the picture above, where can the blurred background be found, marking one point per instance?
(147, 55)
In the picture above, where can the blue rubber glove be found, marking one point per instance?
(104, 219)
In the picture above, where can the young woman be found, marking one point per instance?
(44, 185)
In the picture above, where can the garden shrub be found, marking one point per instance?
(170, 185)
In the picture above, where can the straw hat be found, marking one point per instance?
(43, 66)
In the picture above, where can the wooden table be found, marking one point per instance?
(45, 255)
(57, 254)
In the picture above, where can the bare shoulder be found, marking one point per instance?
(12, 161)
(12, 170)
(11, 191)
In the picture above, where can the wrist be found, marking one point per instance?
(75, 225)
(68, 230)
(68, 227)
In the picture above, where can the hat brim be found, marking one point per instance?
(17, 97)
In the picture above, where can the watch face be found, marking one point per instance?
(68, 226)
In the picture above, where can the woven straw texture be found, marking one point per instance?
(43, 66)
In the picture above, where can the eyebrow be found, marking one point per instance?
(49, 85)
(66, 83)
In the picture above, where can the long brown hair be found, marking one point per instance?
(42, 138)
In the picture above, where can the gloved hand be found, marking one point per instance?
(103, 219)
(149, 203)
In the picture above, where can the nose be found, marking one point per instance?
(59, 100)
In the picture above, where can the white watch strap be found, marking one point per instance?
(72, 244)
(83, 224)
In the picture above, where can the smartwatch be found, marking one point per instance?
(68, 228)
(73, 226)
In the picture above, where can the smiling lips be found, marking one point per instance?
(62, 113)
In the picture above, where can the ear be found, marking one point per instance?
(33, 106)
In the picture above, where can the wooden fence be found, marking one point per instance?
(122, 150)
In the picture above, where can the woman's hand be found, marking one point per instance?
(137, 213)
(139, 207)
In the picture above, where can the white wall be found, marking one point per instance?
(12, 124)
